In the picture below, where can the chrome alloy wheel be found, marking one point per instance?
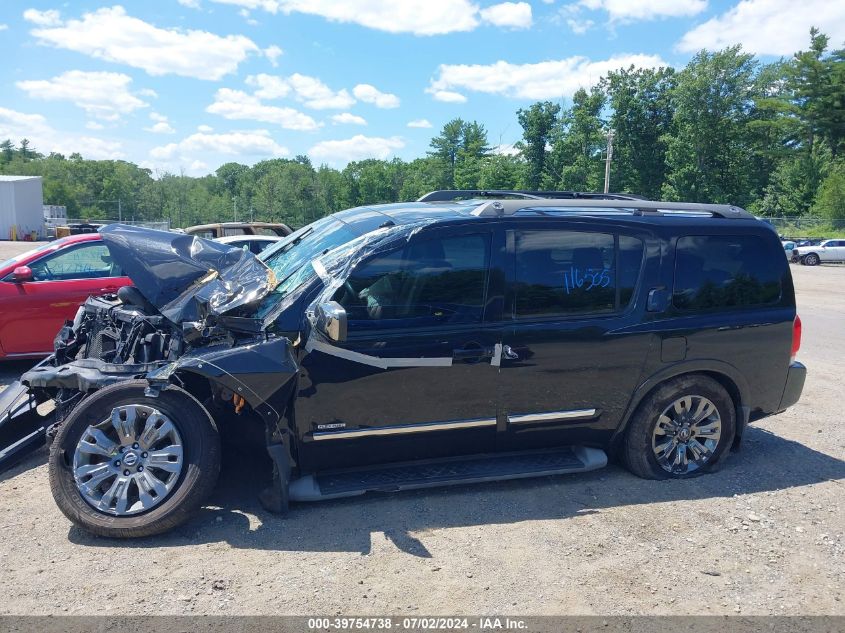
(129, 462)
(686, 435)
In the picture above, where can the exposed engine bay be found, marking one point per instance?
(186, 319)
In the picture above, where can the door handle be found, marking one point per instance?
(508, 353)
(472, 352)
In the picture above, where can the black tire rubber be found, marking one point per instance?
(812, 259)
(638, 454)
(201, 443)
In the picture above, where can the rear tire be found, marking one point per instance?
(190, 475)
(663, 430)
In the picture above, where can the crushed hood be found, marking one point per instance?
(186, 277)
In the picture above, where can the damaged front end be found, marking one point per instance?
(187, 321)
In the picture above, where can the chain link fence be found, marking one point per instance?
(79, 225)
(807, 227)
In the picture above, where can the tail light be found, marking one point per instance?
(796, 338)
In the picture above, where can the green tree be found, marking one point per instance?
(707, 150)
(830, 202)
(538, 123)
(576, 156)
(641, 117)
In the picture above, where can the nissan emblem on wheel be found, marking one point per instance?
(469, 336)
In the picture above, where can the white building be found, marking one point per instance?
(21, 207)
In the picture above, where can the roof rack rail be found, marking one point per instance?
(637, 206)
(447, 195)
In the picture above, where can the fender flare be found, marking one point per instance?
(724, 372)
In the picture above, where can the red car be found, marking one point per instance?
(42, 288)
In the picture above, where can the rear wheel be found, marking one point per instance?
(683, 429)
(126, 464)
(812, 259)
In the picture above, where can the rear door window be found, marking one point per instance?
(567, 273)
(723, 272)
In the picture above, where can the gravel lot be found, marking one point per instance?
(765, 535)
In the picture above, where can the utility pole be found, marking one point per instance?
(235, 207)
(119, 211)
(607, 160)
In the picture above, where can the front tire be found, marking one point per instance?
(812, 259)
(125, 464)
(682, 430)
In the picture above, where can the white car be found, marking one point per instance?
(827, 251)
(253, 243)
(789, 248)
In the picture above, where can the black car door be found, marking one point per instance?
(572, 353)
(414, 378)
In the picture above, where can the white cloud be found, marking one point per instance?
(313, 93)
(241, 143)
(51, 17)
(768, 27)
(93, 125)
(238, 105)
(579, 27)
(269, 86)
(273, 53)
(421, 123)
(112, 35)
(102, 95)
(371, 94)
(161, 125)
(17, 125)
(205, 128)
(309, 91)
(542, 80)
(3, 27)
(506, 149)
(447, 96)
(420, 17)
(348, 117)
(358, 147)
(515, 15)
(632, 10)
(191, 4)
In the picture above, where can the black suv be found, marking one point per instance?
(469, 336)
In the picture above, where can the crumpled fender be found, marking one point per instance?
(261, 372)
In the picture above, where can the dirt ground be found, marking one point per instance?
(765, 535)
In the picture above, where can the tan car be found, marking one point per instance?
(227, 229)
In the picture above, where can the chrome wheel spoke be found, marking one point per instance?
(704, 410)
(682, 405)
(101, 444)
(708, 430)
(168, 458)
(123, 421)
(700, 453)
(94, 475)
(155, 430)
(664, 425)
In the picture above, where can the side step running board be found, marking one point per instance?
(446, 472)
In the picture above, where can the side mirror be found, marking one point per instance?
(331, 320)
(21, 274)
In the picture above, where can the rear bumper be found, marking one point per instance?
(794, 385)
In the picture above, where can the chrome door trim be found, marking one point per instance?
(404, 429)
(552, 416)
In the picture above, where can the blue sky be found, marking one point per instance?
(190, 84)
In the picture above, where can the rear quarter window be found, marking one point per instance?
(720, 272)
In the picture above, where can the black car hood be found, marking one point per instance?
(185, 277)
